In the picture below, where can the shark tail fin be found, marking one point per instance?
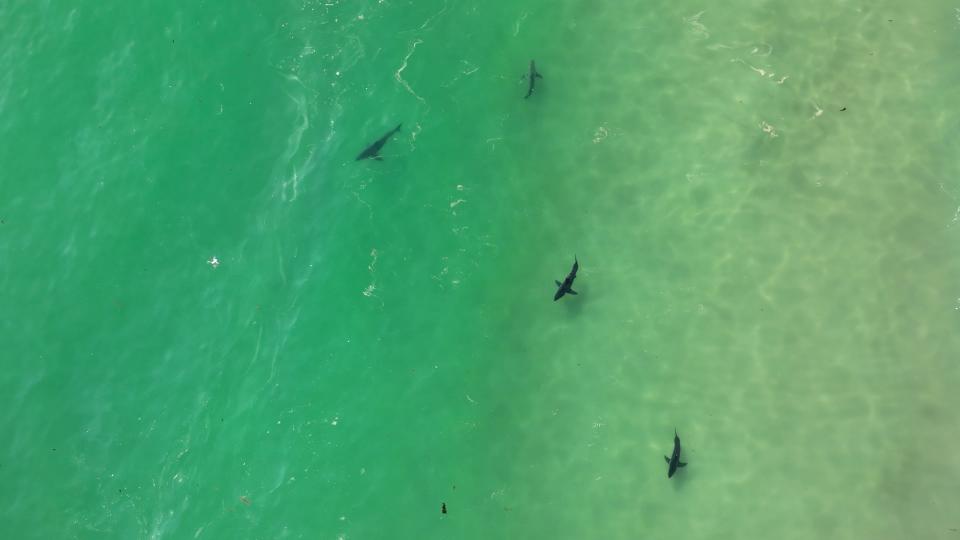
(681, 464)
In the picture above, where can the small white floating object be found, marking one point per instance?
(214, 262)
(600, 134)
(818, 112)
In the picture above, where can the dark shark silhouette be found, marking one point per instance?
(565, 287)
(373, 151)
(674, 460)
(533, 78)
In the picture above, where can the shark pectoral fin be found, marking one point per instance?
(681, 464)
(571, 291)
(539, 76)
(558, 283)
(665, 458)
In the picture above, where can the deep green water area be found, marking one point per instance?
(217, 324)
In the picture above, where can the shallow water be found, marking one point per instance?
(763, 198)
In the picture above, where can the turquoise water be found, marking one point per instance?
(763, 197)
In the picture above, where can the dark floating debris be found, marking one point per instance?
(443, 508)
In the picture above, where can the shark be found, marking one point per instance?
(533, 78)
(566, 286)
(373, 151)
(674, 460)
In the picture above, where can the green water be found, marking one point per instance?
(772, 275)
